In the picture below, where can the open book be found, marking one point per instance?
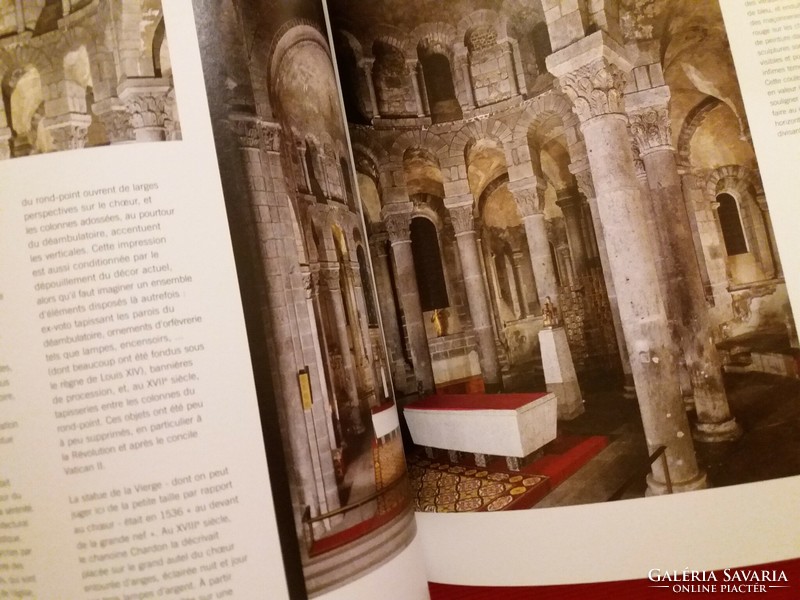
(331, 300)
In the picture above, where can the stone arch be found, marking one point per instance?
(158, 44)
(745, 187)
(482, 18)
(289, 35)
(691, 123)
(395, 38)
(491, 128)
(437, 36)
(424, 139)
(537, 110)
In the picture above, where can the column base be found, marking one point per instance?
(559, 372)
(568, 396)
(726, 431)
(659, 488)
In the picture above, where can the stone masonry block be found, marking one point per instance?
(641, 74)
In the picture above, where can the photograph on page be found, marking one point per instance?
(292, 200)
(60, 76)
(580, 288)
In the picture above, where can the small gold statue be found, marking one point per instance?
(439, 320)
(549, 314)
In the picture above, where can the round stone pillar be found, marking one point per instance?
(331, 284)
(570, 204)
(388, 308)
(584, 179)
(466, 238)
(398, 226)
(685, 297)
(559, 368)
(589, 73)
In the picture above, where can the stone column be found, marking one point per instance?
(467, 75)
(20, 13)
(477, 300)
(512, 72)
(559, 368)
(685, 298)
(329, 278)
(388, 308)
(366, 65)
(584, 179)
(412, 65)
(398, 226)
(761, 201)
(592, 74)
(517, 260)
(570, 204)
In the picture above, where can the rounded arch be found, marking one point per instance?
(289, 35)
(541, 108)
(480, 19)
(490, 129)
(435, 37)
(424, 139)
(694, 119)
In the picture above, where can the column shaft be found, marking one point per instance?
(686, 298)
(476, 294)
(644, 319)
(406, 281)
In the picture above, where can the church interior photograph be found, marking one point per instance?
(81, 73)
(549, 251)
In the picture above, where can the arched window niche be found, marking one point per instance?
(428, 265)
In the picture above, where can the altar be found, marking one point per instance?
(510, 425)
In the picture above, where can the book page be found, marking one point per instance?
(590, 277)
(309, 295)
(131, 456)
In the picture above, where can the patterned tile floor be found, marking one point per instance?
(444, 487)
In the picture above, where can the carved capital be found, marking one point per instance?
(650, 128)
(68, 132)
(116, 119)
(246, 130)
(461, 218)
(398, 226)
(529, 201)
(271, 136)
(148, 110)
(329, 279)
(595, 89)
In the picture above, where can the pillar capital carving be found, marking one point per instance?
(595, 89)
(69, 132)
(270, 133)
(462, 219)
(147, 102)
(398, 226)
(329, 278)
(245, 128)
(115, 117)
(568, 198)
(529, 201)
(650, 128)
(638, 165)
